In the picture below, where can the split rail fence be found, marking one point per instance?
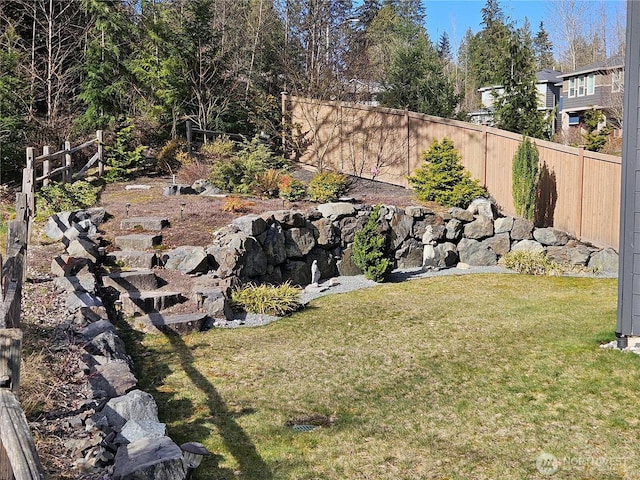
(18, 456)
(579, 190)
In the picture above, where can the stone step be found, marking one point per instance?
(138, 241)
(132, 280)
(181, 324)
(140, 303)
(144, 223)
(131, 259)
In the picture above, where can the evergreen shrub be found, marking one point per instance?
(524, 178)
(327, 186)
(370, 249)
(65, 197)
(443, 179)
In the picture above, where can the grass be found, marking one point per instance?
(442, 378)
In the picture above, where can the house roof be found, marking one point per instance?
(607, 64)
(548, 76)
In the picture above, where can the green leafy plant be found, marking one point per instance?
(267, 299)
(525, 179)
(531, 263)
(221, 149)
(327, 186)
(122, 158)
(370, 249)
(443, 179)
(291, 188)
(59, 197)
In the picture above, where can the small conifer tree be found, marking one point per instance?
(443, 179)
(370, 249)
(525, 179)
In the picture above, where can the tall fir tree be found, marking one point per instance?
(543, 49)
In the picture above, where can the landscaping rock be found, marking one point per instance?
(446, 255)
(149, 459)
(136, 303)
(214, 302)
(550, 236)
(85, 282)
(182, 324)
(176, 189)
(326, 233)
(68, 266)
(136, 405)
(482, 206)
(112, 379)
(401, 225)
(503, 224)
(144, 223)
(186, 259)
(252, 225)
(109, 345)
(298, 242)
(138, 241)
(454, 230)
(288, 218)
(522, 229)
(83, 248)
(77, 300)
(475, 253)
(135, 430)
(569, 255)
(461, 214)
(500, 243)
(131, 280)
(296, 272)
(481, 227)
(410, 255)
(528, 246)
(346, 266)
(337, 210)
(605, 261)
(274, 244)
(132, 259)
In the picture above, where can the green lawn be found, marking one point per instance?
(465, 377)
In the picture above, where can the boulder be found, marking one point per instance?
(226, 260)
(336, 210)
(201, 185)
(410, 254)
(346, 266)
(83, 248)
(274, 244)
(181, 324)
(296, 272)
(252, 225)
(76, 300)
(135, 430)
(454, 230)
(475, 253)
(186, 259)
(569, 255)
(550, 236)
(299, 241)
(482, 206)
(432, 220)
(400, 229)
(109, 345)
(528, 246)
(176, 189)
(138, 241)
(349, 226)
(522, 229)
(68, 266)
(149, 459)
(144, 223)
(96, 215)
(326, 233)
(418, 211)
(327, 262)
(214, 303)
(503, 224)
(132, 259)
(481, 227)
(446, 255)
(85, 282)
(131, 280)
(96, 328)
(112, 379)
(461, 214)
(500, 243)
(605, 261)
(136, 405)
(288, 218)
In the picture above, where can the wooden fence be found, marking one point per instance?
(579, 190)
(18, 457)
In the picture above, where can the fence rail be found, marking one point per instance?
(579, 191)
(18, 457)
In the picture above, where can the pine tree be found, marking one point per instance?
(444, 47)
(543, 49)
(525, 178)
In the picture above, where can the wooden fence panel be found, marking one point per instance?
(579, 191)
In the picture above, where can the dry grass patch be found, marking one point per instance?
(441, 378)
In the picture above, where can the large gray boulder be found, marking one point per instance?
(400, 229)
(299, 242)
(296, 272)
(336, 210)
(138, 241)
(475, 253)
(274, 244)
(135, 430)
(569, 255)
(186, 259)
(287, 218)
(346, 265)
(112, 379)
(461, 214)
(500, 243)
(252, 225)
(528, 246)
(605, 261)
(481, 227)
(149, 459)
(83, 248)
(135, 405)
(446, 255)
(326, 233)
(522, 229)
(482, 206)
(550, 236)
(454, 229)
(503, 224)
(410, 254)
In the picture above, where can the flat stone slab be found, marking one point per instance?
(132, 280)
(182, 324)
(132, 259)
(136, 303)
(138, 241)
(149, 458)
(144, 223)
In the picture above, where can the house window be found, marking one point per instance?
(617, 81)
(591, 84)
(580, 86)
(572, 87)
(574, 119)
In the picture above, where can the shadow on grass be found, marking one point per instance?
(237, 442)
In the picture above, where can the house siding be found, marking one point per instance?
(586, 101)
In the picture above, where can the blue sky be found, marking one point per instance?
(455, 16)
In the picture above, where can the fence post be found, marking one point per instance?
(408, 139)
(189, 128)
(66, 176)
(29, 180)
(46, 166)
(580, 181)
(485, 141)
(99, 137)
(10, 344)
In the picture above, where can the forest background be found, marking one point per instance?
(69, 67)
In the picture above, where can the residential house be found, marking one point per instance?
(597, 86)
(548, 98)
